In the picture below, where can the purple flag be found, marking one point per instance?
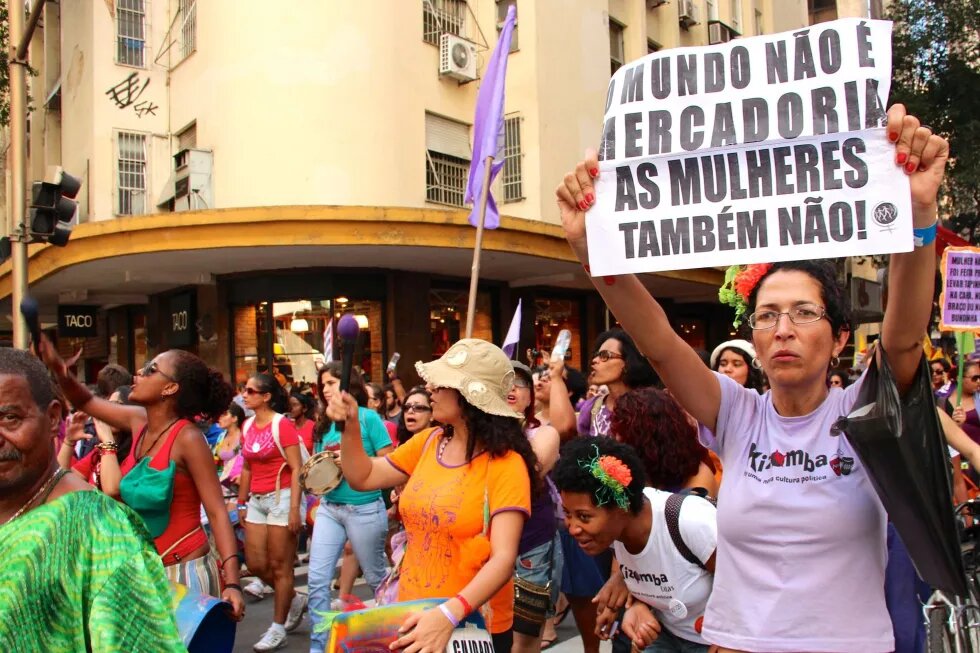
(488, 126)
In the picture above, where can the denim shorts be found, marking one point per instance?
(264, 509)
(668, 642)
(532, 566)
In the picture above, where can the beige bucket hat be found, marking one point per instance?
(479, 370)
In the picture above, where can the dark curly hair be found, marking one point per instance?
(306, 401)
(638, 372)
(654, 424)
(203, 390)
(571, 473)
(835, 300)
(237, 412)
(402, 434)
(278, 401)
(756, 380)
(356, 390)
(498, 435)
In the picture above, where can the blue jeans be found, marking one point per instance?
(668, 642)
(366, 527)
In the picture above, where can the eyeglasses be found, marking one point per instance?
(975, 378)
(152, 368)
(604, 355)
(937, 372)
(521, 383)
(252, 391)
(416, 408)
(802, 314)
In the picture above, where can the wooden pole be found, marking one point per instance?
(475, 269)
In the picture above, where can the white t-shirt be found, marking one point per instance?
(676, 589)
(801, 532)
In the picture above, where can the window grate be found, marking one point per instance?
(445, 178)
(441, 17)
(131, 32)
(513, 160)
(187, 18)
(131, 173)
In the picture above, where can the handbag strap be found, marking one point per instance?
(179, 541)
(672, 515)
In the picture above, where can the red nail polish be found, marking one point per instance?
(910, 167)
(594, 172)
(582, 205)
(609, 280)
(590, 198)
(893, 136)
(902, 156)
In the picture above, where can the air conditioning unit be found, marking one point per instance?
(457, 58)
(653, 4)
(192, 180)
(718, 32)
(690, 14)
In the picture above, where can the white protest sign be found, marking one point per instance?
(762, 149)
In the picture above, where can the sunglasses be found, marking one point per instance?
(937, 372)
(604, 355)
(252, 391)
(416, 408)
(975, 378)
(152, 368)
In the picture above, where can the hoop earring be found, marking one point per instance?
(756, 363)
(834, 362)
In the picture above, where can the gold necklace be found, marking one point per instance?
(48, 484)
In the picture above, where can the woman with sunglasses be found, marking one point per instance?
(345, 513)
(798, 513)
(169, 472)
(269, 503)
(965, 412)
(416, 414)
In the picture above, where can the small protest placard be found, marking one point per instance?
(959, 302)
(769, 148)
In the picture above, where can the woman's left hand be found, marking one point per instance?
(424, 632)
(234, 597)
(295, 521)
(922, 155)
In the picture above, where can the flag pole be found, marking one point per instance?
(477, 247)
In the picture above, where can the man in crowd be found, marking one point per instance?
(79, 570)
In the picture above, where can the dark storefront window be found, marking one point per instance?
(447, 318)
(550, 317)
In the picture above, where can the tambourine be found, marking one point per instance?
(321, 473)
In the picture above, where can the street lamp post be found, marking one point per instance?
(20, 41)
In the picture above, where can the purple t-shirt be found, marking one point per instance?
(801, 532)
(590, 425)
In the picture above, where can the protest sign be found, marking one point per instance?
(959, 301)
(769, 148)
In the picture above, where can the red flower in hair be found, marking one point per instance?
(748, 278)
(616, 469)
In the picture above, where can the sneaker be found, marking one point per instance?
(338, 605)
(255, 589)
(297, 608)
(273, 639)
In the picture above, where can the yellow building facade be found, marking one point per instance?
(248, 174)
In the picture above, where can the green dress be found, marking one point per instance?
(81, 574)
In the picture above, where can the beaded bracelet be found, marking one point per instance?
(449, 615)
(106, 447)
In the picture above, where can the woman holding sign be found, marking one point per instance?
(799, 516)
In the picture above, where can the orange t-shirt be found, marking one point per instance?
(442, 507)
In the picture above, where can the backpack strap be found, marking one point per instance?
(672, 514)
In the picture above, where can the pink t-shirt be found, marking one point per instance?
(260, 450)
(801, 532)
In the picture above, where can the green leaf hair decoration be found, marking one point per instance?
(728, 296)
(605, 469)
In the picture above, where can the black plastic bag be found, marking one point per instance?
(901, 443)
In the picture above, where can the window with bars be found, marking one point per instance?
(131, 32)
(187, 24)
(130, 173)
(440, 17)
(513, 178)
(617, 46)
(445, 178)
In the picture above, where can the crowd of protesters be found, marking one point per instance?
(649, 497)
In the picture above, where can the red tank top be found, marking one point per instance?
(185, 509)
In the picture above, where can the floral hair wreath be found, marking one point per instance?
(614, 476)
(740, 281)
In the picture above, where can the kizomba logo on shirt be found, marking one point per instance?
(656, 579)
(759, 461)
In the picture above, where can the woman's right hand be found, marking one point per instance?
(640, 625)
(47, 352)
(959, 415)
(576, 195)
(76, 428)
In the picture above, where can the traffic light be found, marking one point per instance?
(53, 207)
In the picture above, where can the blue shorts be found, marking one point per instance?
(533, 566)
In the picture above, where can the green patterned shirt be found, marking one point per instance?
(81, 574)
